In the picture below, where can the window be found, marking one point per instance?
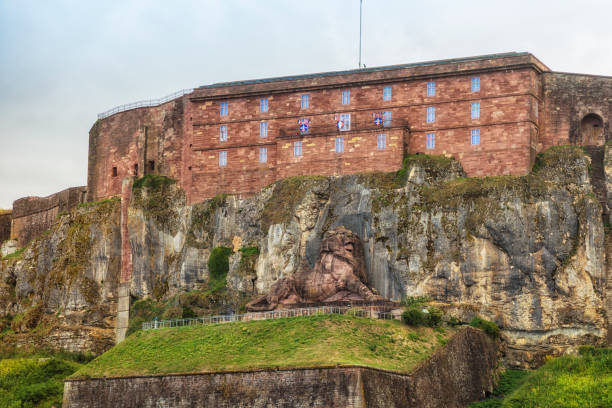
(263, 129)
(305, 101)
(346, 121)
(223, 110)
(297, 148)
(475, 137)
(386, 118)
(431, 114)
(114, 172)
(136, 169)
(263, 154)
(476, 84)
(346, 97)
(263, 105)
(387, 93)
(339, 145)
(431, 140)
(151, 165)
(475, 110)
(223, 133)
(381, 141)
(431, 88)
(222, 159)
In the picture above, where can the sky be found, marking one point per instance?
(63, 62)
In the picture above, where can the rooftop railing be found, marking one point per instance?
(144, 104)
(374, 312)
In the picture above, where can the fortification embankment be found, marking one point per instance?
(454, 376)
(33, 215)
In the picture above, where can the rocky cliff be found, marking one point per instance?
(527, 252)
(60, 292)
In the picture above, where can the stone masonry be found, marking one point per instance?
(493, 113)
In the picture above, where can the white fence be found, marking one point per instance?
(374, 312)
(142, 104)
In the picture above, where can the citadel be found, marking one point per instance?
(361, 193)
(493, 113)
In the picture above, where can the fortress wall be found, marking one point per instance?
(568, 99)
(459, 373)
(508, 125)
(135, 142)
(33, 215)
(5, 225)
(181, 138)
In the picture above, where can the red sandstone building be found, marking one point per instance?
(493, 113)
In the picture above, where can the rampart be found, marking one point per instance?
(33, 215)
(577, 109)
(461, 372)
(5, 225)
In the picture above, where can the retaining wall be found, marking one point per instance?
(459, 373)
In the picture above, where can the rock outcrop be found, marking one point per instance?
(526, 252)
(60, 292)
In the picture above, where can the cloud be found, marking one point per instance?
(63, 62)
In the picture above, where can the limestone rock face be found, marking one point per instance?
(61, 292)
(526, 252)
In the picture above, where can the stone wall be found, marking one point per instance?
(461, 372)
(568, 99)
(135, 143)
(5, 225)
(33, 215)
(181, 139)
(507, 122)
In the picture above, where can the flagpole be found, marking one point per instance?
(360, 18)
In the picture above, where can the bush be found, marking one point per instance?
(413, 316)
(434, 317)
(453, 321)
(218, 263)
(485, 325)
(417, 316)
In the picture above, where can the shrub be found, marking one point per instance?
(417, 316)
(453, 321)
(413, 316)
(434, 317)
(487, 326)
(218, 263)
(415, 300)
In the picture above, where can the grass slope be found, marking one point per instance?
(313, 341)
(583, 381)
(34, 381)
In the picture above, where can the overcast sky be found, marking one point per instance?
(63, 62)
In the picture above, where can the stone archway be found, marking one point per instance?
(592, 130)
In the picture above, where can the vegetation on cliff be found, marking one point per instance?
(158, 197)
(322, 340)
(563, 382)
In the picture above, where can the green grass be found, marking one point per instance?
(583, 381)
(14, 255)
(314, 341)
(35, 381)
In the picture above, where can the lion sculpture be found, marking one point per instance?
(338, 275)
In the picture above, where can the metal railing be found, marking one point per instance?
(143, 104)
(374, 312)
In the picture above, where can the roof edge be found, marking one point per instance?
(366, 70)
